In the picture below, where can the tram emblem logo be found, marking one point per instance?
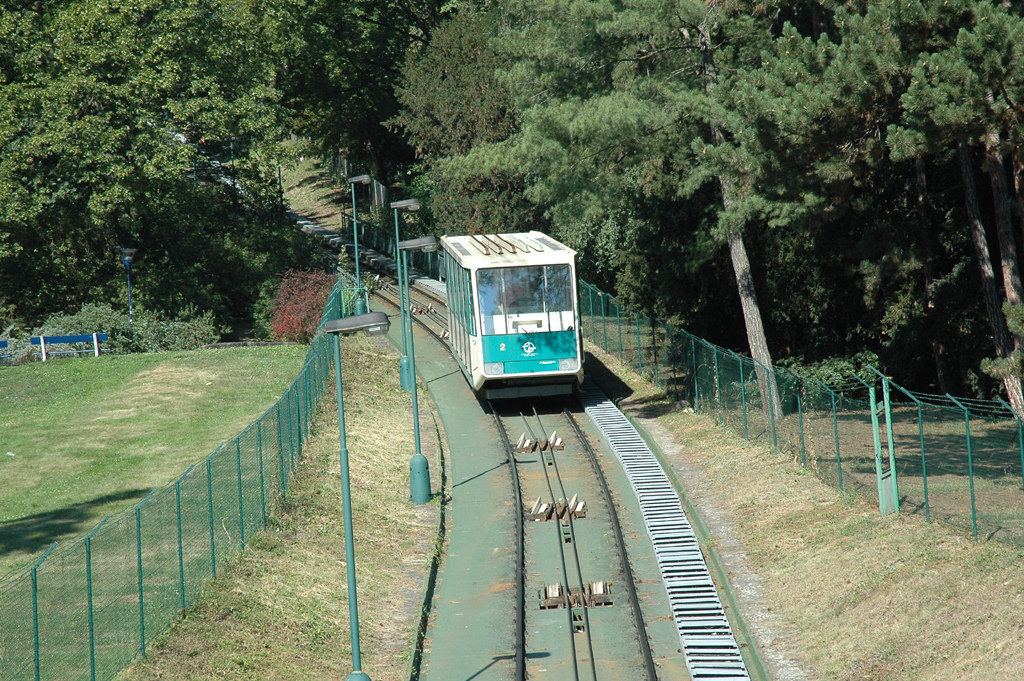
(529, 348)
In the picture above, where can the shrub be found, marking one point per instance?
(299, 304)
(151, 333)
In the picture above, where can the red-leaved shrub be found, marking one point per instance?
(299, 304)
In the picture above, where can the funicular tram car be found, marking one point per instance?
(512, 313)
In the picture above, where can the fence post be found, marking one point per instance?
(209, 500)
(639, 351)
(35, 604)
(138, 550)
(88, 592)
(696, 383)
(771, 403)
(672, 355)
(652, 323)
(604, 322)
(800, 411)
(718, 386)
(181, 553)
(743, 393)
(835, 431)
(263, 484)
(1020, 435)
(618, 324)
(280, 449)
(593, 329)
(924, 465)
(241, 499)
(970, 462)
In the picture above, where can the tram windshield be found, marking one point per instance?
(525, 299)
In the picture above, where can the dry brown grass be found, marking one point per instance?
(281, 612)
(856, 596)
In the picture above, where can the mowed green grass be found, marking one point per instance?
(91, 437)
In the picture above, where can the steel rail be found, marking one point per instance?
(520, 630)
(620, 544)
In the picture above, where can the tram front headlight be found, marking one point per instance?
(494, 369)
(568, 364)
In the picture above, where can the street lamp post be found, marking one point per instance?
(127, 257)
(360, 306)
(405, 374)
(372, 324)
(419, 470)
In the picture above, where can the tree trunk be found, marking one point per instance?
(1018, 181)
(737, 250)
(924, 218)
(1000, 335)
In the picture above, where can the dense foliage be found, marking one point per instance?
(137, 123)
(867, 156)
(800, 179)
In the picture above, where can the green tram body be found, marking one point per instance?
(512, 313)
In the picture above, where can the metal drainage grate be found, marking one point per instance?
(708, 643)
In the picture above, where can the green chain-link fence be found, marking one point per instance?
(956, 460)
(88, 607)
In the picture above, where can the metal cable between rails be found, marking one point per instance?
(565, 571)
(620, 544)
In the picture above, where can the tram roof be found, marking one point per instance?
(507, 250)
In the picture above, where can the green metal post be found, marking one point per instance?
(800, 411)
(138, 556)
(696, 382)
(924, 463)
(743, 394)
(718, 387)
(88, 591)
(593, 329)
(771, 403)
(241, 499)
(639, 352)
(835, 431)
(970, 462)
(346, 502)
(280, 448)
(672, 355)
(653, 325)
(1020, 434)
(360, 306)
(419, 473)
(35, 604)
(181, 553)
(604, 322)
(263, 483)
(209, 502)
(618, 323)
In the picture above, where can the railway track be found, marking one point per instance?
(578, 615)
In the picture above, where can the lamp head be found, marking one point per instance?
(128, 254)
(427, 244)
(360, 179)
(371, 323)
(407, 204)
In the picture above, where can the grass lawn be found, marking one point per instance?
(280, 611)
(91, 437)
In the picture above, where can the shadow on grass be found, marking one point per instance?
(34, 533)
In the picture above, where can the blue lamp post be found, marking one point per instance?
(406, 375)
(360, 306)
(372, 324)
(127, 257)
(419, 470)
